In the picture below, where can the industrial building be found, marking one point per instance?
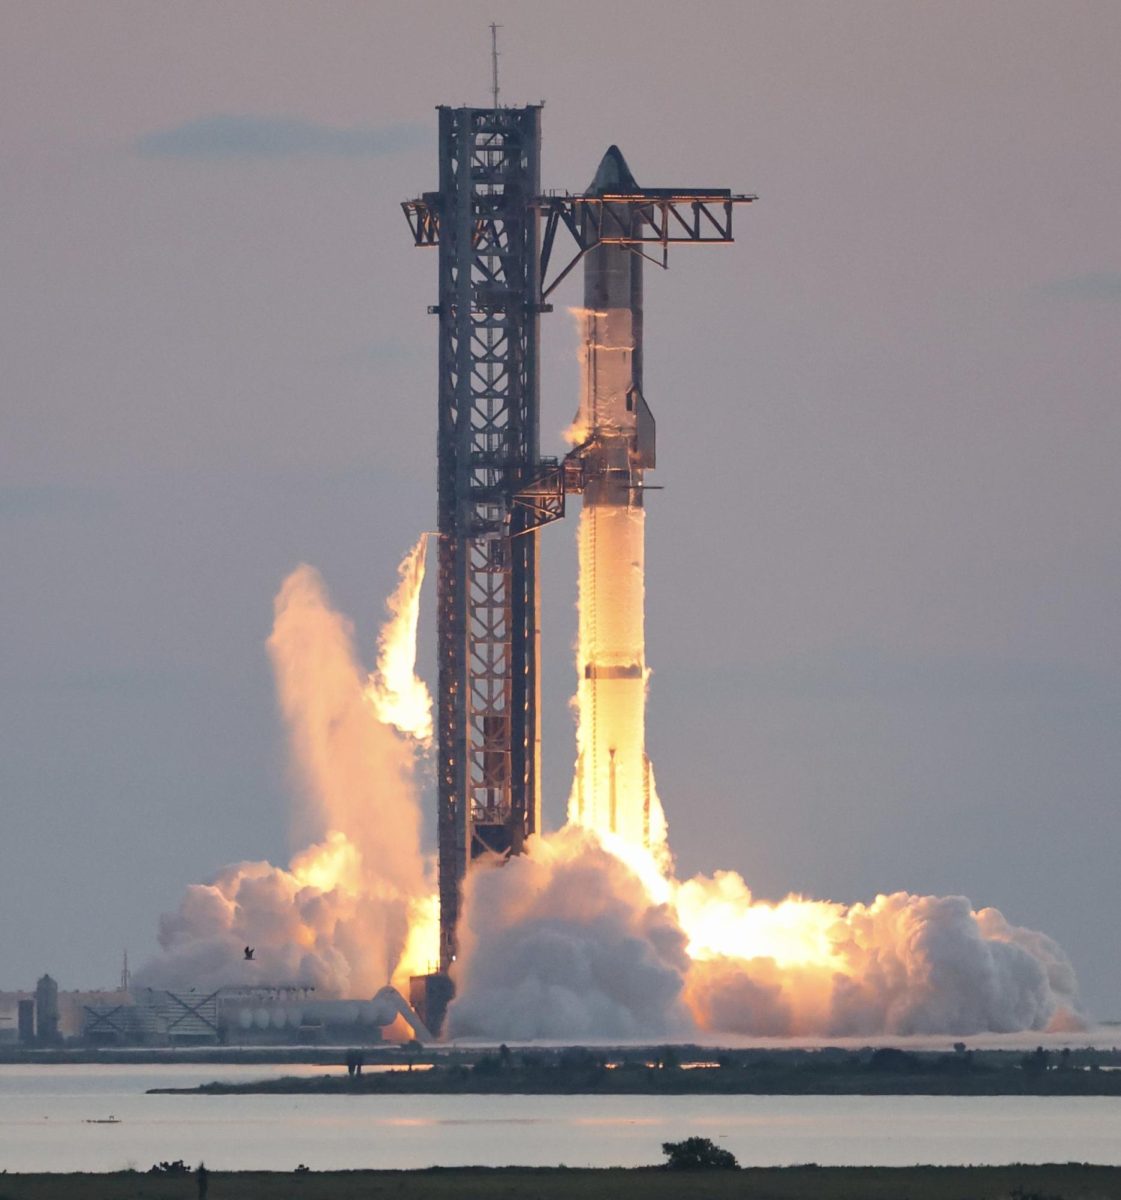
(235, 1016)
(47, 1016)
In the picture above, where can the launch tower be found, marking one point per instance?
(496, 235)
(486, 226)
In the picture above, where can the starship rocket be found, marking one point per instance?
(614, 435)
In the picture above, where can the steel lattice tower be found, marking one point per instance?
(484, 220)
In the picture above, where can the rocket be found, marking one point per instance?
(615, 421)
(614, 435)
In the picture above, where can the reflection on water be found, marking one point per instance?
(44, 1113)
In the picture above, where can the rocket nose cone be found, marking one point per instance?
(613, 174)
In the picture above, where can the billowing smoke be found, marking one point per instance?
(564, 942)
(901, 965)
(588, 934)
(353, 908)
(354, 773)
(567, 941)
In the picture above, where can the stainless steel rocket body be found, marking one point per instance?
(615, 420)
(615, 435)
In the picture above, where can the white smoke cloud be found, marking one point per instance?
(339, 917)
(566, 943)
(577, 938)
(901, 965)
(354, 774)
(301, 936)
(563, 942)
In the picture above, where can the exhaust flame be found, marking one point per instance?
(399, 698)
(613, 790)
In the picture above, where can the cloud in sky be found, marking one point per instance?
(228, 136)
(1094, 285)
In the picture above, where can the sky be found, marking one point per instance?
(883, 574)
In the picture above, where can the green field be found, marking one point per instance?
(1067, 1182)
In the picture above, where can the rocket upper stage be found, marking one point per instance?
(618, 426)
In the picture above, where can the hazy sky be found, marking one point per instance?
(884, 573)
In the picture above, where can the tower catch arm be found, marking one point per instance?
(659, 217)
(653, 217)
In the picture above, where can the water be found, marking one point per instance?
(44, 1110)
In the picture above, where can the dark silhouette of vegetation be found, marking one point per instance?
(669, 1058)
(698, 1154)
(579, 1058)
(657, 1070)
(178, 1167)
(1071, 1181)
(894, 1061)
(1037, 1062)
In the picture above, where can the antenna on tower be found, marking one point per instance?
(494, 61)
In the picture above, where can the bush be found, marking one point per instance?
(178, 1167)
(893, 1060)
(698, 1153)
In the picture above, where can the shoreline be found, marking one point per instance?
(667, 1071)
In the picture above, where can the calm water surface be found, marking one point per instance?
(44, 1112)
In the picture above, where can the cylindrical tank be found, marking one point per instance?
(46, 1010)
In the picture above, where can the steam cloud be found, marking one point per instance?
(901, 965)
(566, 942)
(339, 918)
(586, 935)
